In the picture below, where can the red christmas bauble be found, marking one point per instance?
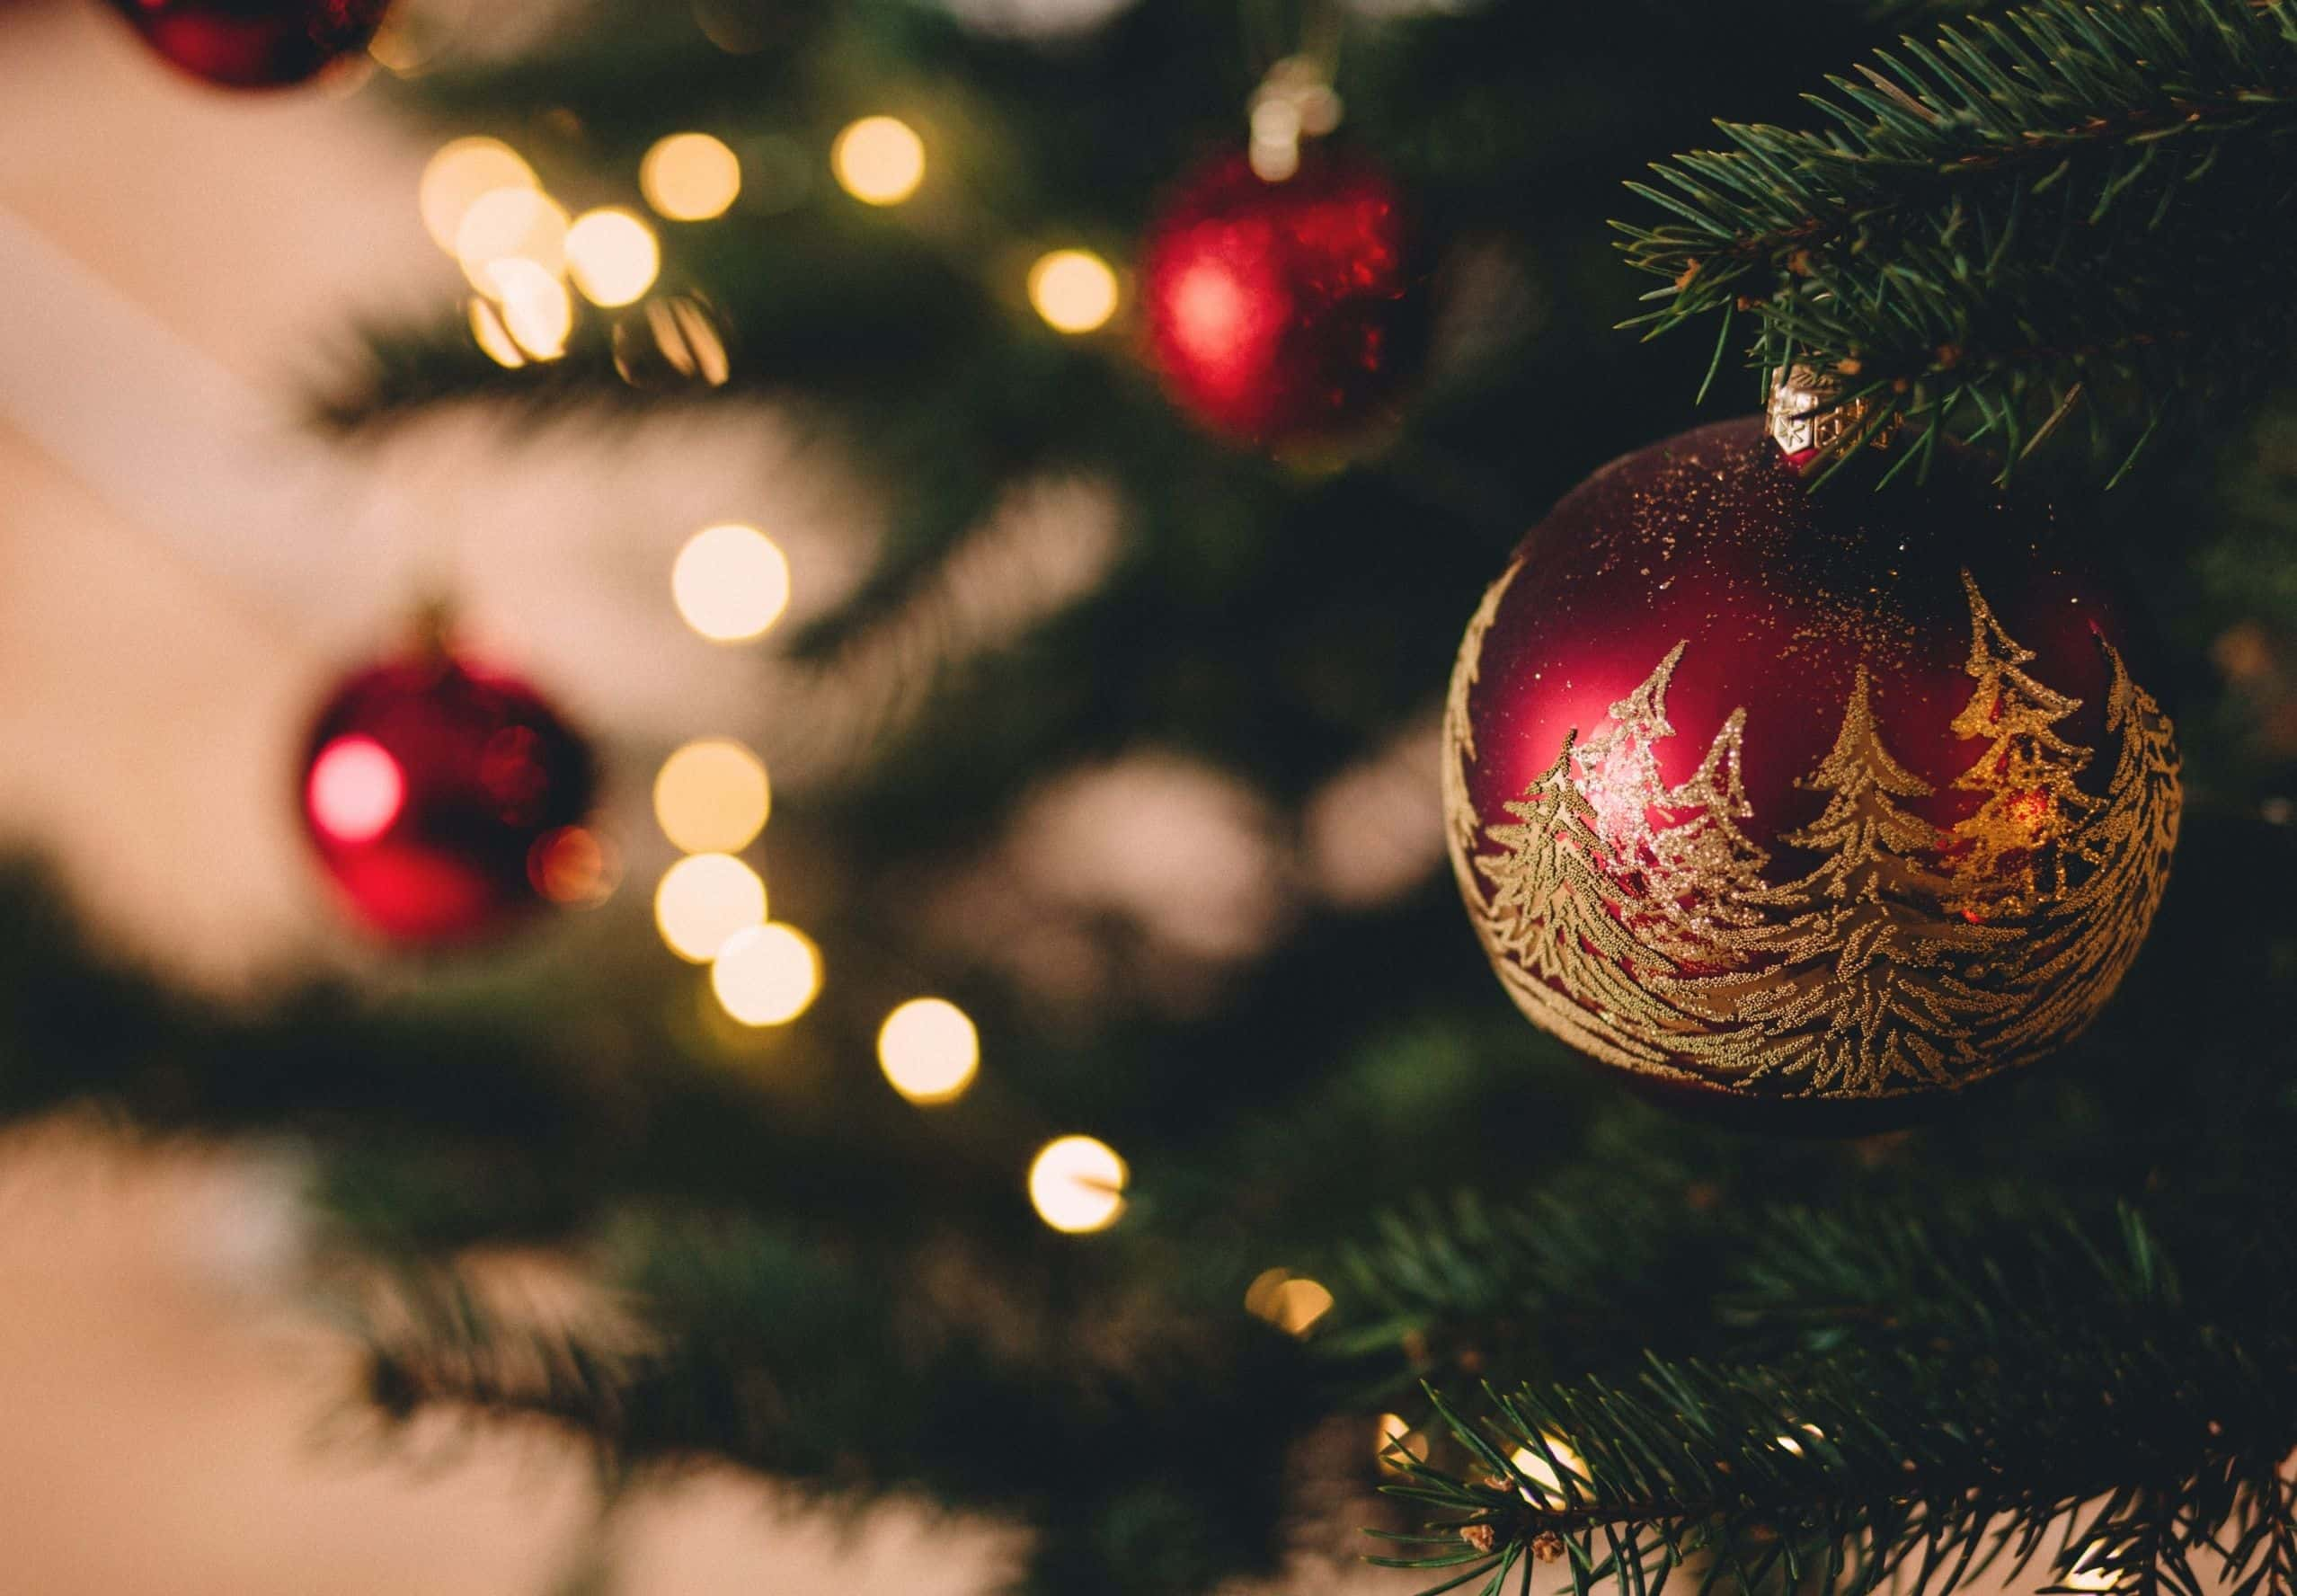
(254, 44)
(1285, 313)
(1833, 800)
(438, 793)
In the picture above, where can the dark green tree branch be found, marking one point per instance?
(2064, 206)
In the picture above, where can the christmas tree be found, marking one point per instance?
(1214, 1208)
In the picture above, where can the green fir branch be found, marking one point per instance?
(2065, 207)
(2009, 1392)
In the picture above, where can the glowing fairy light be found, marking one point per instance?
(704, 902)
(1077, 1184)
(573, 866)
(690, 177)
(730, 582)
(507, 225)
(1393, 1435)
(768, 975)
(879, 160)
(929, 1050)
(612, 256)
(537, 312)
(1074, 289)
(492, 335)
(1533, 1467)
(458, 175)
(713, 797)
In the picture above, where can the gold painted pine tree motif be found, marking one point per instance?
(1636, 920)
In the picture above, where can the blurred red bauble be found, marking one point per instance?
(254, 44)
(1821, 803)
(1286, 313)
(442, 796)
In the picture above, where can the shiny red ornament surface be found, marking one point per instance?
(251, 44)
(435, 793)
(1287, 312)
(1841, 798)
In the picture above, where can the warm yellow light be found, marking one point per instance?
(1074, 289)
(1393, 1436)
(730, 582)
(537, 311)
(1542, 1473)
(505, 225)
(929, 1050)
(573, 865)
(2085, 1576)
(1077, 1184)
(458, 175)
(704, 902)
(1299, 1304)
(670, 338)
(713, 797)
(766, 975)
(690, 177)
(1792, 1445)
(612, 256)
(493, 337)
(879, 160)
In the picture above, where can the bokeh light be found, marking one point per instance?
(1293, 1303)
(508, 225)
(730, 582)
(612, 256)
(1532, 1466)
(704, 902)
(1392, 1436)
(573, 866)
(494, 335)
(713, 797)
(671, 340)
(768, 975)
(690, 177)
(1074, 289)
(356, 790)
(537, 311)
(1077, 1184)
(929, 1050)
(879, 160)
(458, 176)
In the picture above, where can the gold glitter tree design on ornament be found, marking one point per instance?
(2085, 939)
(1864, 995)
(2002, 854)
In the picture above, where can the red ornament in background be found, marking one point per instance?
(1290, 312)
(254, 44)
(1817, 804)
(445, 800)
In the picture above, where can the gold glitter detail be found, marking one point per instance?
(1634, 921)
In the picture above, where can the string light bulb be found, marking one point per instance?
(1535, 1469)
(704, 902)
(879, 160)
(1073, 289)
(537, 312)
(713, 797)
(929, 1050)
(690, 177)
(505, 225)
(1077, 1184)
(730, 582)
(612, 256)
(455, 179)
(1393, 1435)
(768, 975)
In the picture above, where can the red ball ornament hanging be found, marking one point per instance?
(1822, 804)
(254, 44)
(445, 798)
(1286, 313)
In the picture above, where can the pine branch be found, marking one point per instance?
(1999, 1379)
(2067, 205)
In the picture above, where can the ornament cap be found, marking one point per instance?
(1809, 417)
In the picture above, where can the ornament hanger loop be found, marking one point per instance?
(1809, 417)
